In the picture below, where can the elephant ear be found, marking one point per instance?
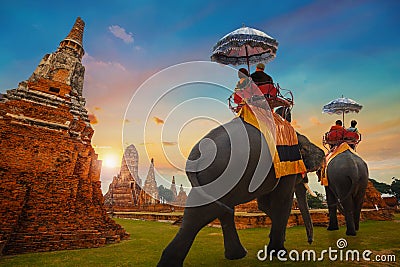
(312, 155)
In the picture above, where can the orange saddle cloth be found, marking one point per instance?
(338, 150)
(282, 143)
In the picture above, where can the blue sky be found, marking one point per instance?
(326, 49)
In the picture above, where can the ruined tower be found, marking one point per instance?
(173, 189)
(150, 186)
(124, 191)
(49, 173)
(130, 165)
(181, 198)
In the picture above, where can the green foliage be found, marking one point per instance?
(316, 202)
(381, 187)
(165, 193)
(148, 239)
(395, 187)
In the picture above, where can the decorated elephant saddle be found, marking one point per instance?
(280, 136)
(323, 176)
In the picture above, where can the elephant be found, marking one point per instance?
(224, 146)
(347, 182)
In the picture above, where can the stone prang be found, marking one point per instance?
(50, 196)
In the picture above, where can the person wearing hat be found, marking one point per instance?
(259, 77)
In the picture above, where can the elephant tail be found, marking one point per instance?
(196, 185)
(301, 196)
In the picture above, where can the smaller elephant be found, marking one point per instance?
(347, 181)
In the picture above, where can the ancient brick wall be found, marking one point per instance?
(373, 197)
(50, 187)
(50, 194)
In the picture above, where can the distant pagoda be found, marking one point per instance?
(181, 198)
(150, 193)
(173, 189)
(125, 192)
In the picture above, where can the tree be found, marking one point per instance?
(395, 187)
(381, 187)
(165, 193)
(316, 202)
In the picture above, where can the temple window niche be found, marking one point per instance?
(54, 90)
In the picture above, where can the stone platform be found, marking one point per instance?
(246, 220)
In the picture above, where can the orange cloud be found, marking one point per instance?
(93, 119)
(295, 124)
(315, 121)
(169, 143)
(158, 120)
(97, 108)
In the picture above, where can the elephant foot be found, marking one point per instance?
(351, 233)
(166, 263)
(236, 254)
(332, 228)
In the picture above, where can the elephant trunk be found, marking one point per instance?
(305, 213)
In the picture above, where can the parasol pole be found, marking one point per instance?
(343, 116)
(247, 59)
(343, 119)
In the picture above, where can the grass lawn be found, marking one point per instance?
(148, 239)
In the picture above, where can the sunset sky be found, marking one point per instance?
(326, 49)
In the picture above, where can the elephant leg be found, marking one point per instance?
(277, 205)
(348, 207)
(194, 219)
(233, 248)
(358, 203)
(332, 209)
(357, 214)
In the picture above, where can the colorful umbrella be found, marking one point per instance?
(341, 105)
(245, 46)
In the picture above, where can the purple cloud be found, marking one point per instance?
(121, 33)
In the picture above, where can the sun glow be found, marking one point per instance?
(110, 161)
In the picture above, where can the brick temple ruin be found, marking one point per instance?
(50, 196)
(126, 192)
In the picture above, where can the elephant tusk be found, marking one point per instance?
(309, 190)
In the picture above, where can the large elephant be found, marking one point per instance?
(274, 195)
(347, 181)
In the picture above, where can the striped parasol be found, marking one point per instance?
(341, 105)
(245, 46)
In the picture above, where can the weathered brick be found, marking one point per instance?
(50, 196)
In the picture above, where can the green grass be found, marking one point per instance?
(148, 239)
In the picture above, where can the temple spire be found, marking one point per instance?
(173, 188)
(150, 185)
(74, 38)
